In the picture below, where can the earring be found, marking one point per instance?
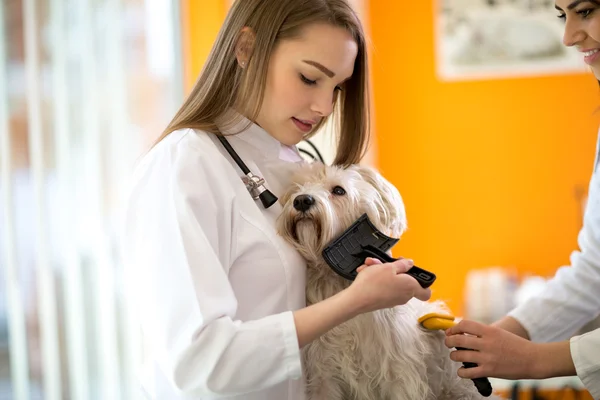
(243, 64)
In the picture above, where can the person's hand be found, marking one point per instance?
(379, 285)
(497, 352)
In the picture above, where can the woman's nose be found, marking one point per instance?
(573, 34)
(323, 103)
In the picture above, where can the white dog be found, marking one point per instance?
(382, 355)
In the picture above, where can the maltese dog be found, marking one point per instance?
(385, 354)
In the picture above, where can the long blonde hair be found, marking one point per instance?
(222, 85)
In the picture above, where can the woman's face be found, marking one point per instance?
(582, 29)
(304, 77)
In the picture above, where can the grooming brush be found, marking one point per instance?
(361, 240)
(435, 321)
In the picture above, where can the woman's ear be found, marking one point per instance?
(245, 46)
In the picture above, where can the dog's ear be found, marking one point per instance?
(389, 201)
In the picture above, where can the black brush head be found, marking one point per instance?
(361, 240)
(346, 253)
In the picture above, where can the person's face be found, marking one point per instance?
(304, 76)
(582, 29)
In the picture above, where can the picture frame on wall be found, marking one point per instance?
(488, 39)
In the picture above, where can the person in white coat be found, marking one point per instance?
(535, 340)
(220, 296)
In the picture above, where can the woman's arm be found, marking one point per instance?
(511, 325)
(379, 286)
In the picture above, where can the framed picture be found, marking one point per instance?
(480, 39)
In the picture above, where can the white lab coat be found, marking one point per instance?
(572, 297)
(215, 286)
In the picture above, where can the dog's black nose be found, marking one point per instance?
(303, 202)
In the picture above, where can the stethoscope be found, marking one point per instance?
(254, 183)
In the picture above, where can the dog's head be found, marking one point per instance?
(323, 201)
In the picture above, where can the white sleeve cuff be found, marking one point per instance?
(585, 352)
(292, 347)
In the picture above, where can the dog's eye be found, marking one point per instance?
(338, 191)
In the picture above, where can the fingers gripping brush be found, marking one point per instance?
(436, 321)
(361, 240)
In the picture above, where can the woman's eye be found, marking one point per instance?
(310, 82)
(338, 191)
(562, 16)
(307, 81)
(585, 13)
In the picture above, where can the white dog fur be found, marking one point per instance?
(382, 355)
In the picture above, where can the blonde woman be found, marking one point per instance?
(536, 339)
(221, 297)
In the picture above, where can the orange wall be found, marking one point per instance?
(488, 169)
(201, 21)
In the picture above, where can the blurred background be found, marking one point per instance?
(492, 150)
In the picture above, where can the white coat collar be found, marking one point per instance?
(261, 140)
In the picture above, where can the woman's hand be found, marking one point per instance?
(502, 354)
(379, 285)
(376, 286)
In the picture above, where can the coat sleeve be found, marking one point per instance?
(570, 299)
(585, 351)
(179, 244)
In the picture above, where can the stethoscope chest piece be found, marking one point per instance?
(255, 184)
(256, 187)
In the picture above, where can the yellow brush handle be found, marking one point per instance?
(435, 321)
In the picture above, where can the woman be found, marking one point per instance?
(531, 342)
(220, 296)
